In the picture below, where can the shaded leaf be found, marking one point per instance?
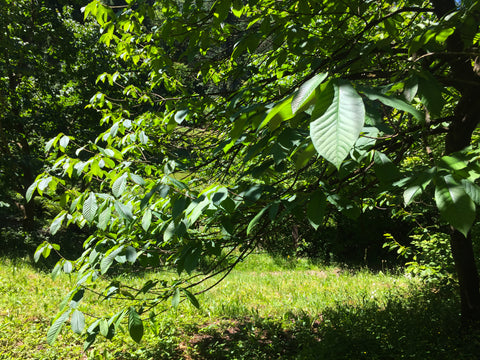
(455, 206)
(135, 325)
(193, 300)
(256, 220)
(316, 208)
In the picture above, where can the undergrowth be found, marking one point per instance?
(266, 309)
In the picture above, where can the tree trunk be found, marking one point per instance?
(459, 136)
(466, 119)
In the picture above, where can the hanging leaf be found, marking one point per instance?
(77, 322)
(104, 218)
(430, 91)
(176, 298)
(280, 112)
(147, 219)
(57, 222)
(108, 259)
(56, 327)
(135, 325)
(393, 102)
(193, 300)
(131, 254)
(338, 116)
(125, 211)
(90, 207)
(104, 327)
(256, 220)
(31, 189)
(455, 206)
(137, 179)
(316, 208)
(472, 190)
(306, 92)
(384, 168)
(416, 185)
(119, 185)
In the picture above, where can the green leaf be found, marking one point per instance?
(430, 91)
(417, 185)
(335, 131)
(77, 322)
(124, 211)
(56, 327)
(137, 179)
(131, 254)
(393, 102)
(90, 207)
(256, 220)
(119, 185)
(147, 219)
(31, 189)
(176, 298)
(280, 112)
(108, 259)
(104, 327)
(135, 325)
(302, 157)
(237, 8)
(67, 267)
(56, 271)
(472, 190)
(193, 300)
(169, 232)
(181, 115)
(57, 222)
(316, 208)
(384, 168)
(455, 206)
(306, 92)
(104, 218)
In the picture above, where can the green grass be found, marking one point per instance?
(266, 309)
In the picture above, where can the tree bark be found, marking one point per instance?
(466, 119)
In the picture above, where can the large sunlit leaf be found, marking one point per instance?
(455, 206)
(341, 115)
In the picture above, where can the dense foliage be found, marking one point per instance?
(240, 118)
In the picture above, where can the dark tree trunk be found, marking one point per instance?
(459, 136)
(466, 119)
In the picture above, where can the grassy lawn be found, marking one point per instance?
(265, 309)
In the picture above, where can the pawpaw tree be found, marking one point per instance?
(238, 117)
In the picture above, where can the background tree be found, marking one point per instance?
(319, 108)
(49, 64)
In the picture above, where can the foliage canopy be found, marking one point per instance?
(237, 118)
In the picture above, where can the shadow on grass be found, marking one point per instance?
(423, 326)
